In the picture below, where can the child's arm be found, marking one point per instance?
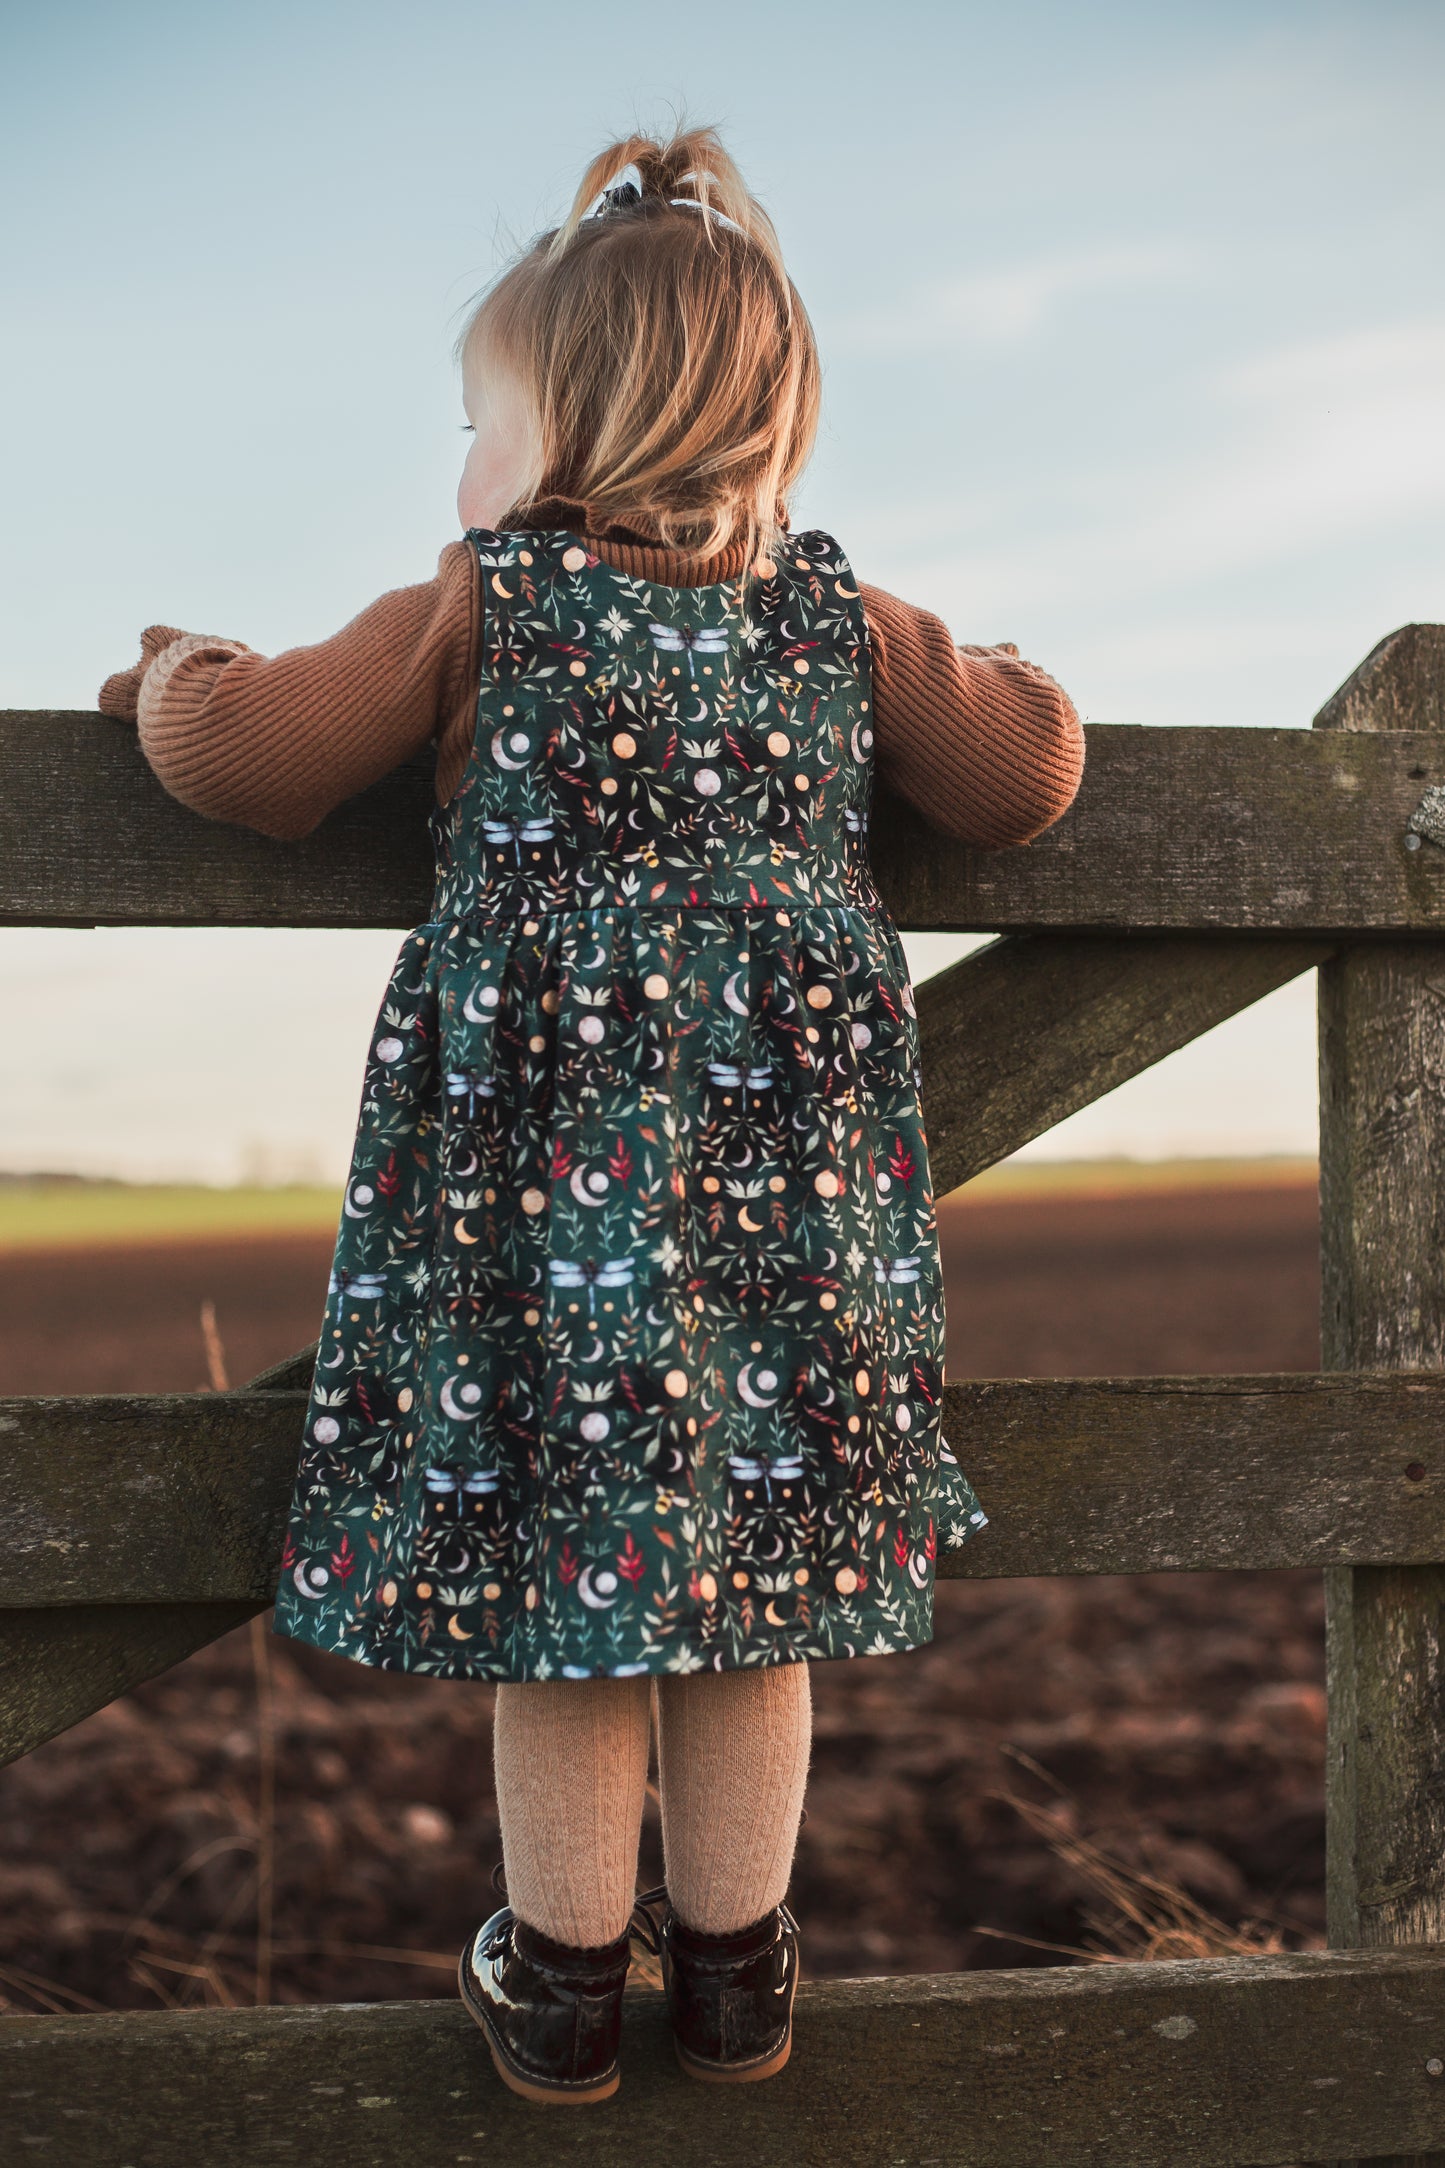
(986, 747)
(274, 742)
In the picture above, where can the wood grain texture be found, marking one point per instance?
(1028, 1030)
(58, 1667)
(1382, 1148)
(1184, 2065)
(183, 1499)
(1144, 1475)
(1173, 831)
(128, 854)
(1400, 685)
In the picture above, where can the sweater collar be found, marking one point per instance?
(640, 556)
(669, 568)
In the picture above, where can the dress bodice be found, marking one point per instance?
(646, 745)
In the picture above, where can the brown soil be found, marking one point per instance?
(1182, 1714)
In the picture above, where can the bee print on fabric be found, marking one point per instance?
(632, 1351)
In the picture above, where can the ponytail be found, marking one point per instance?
(663, 358)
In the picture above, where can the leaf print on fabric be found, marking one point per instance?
(632, 1351)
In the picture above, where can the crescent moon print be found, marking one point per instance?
(596, 1589)
(468, 1392)
(680, 1412)
(754, 1398)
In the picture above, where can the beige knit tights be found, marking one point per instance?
(571, 1761)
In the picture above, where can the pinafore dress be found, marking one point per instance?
(631, 1359)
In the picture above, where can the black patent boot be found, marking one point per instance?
(730, 1997)
(552, 2014)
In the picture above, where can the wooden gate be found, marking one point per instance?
(1198, 870)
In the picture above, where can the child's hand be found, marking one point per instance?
(119, 695)
(1000, 647)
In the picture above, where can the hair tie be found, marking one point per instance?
(623, 197)
(626, 196)
(708, 210)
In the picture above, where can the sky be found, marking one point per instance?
(1133, 329)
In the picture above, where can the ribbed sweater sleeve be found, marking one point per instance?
(275, 742)
(985, 746)
(988, 748)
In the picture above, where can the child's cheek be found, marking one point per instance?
(491, 479)
(471, 490)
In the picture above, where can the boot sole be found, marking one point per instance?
(747, 2073)
(547, 2096)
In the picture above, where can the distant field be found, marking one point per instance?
(63, 1215)
(1043, 1178)
(98, 1215)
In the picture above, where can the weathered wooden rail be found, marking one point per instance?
(1173, 831)
(1198, 870)
(165, 1500)
(1108, 2066)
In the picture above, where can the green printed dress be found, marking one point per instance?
(632, 1355)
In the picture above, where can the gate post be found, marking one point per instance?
(1382, 1234)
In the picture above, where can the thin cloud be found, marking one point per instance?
(1012, 304)
(1300, 451)
(1382, 358)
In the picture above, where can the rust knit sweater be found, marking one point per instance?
(985, 745)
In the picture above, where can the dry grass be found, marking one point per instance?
(265, 1875)
(1144, 1918)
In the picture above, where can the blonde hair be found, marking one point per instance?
(662, 358)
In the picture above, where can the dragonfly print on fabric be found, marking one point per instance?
(632, 1353)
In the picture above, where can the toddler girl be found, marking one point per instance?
(627, 1395)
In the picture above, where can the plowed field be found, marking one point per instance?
(1178, 1720)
